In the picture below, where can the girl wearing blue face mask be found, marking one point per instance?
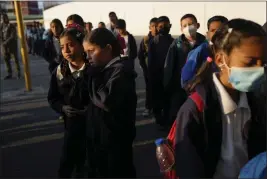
(219, 140)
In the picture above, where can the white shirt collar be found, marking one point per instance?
(227, 103)
(72, 70)
(112, 61)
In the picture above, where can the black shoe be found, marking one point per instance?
(8, 77)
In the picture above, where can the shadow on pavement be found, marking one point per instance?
(31, 144)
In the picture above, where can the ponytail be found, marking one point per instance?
(204, 73)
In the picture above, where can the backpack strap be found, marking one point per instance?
(171, 137)
(198, 101)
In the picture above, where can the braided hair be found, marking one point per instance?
(76, 32)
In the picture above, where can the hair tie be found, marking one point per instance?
(75, 26)
(209, 59)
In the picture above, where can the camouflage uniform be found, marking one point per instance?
(8, 39)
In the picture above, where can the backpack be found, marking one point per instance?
(171, 136)
(255, 168)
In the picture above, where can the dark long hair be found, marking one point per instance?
(76, 19)
(59, 23)
(225, 40)
(102, 37)
(78, 36)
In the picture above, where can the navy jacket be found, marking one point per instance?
(111, 117)
(157, 51)
(175, 61)
(199, 134)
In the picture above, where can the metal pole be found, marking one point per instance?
(23, 47)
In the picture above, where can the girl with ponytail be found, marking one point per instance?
(218, 141)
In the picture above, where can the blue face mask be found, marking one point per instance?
(247, 79)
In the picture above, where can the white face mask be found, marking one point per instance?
(190, 31)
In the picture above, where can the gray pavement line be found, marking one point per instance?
(140, 143)
(140, 109)
(26, 106)
(13, 98)
(32, 130)
(15, 102)
(140, 100)
(56, 136)
(139, 91)
(138, 123)
(34, 140)
(32, 125)
(13, 116)
(21, 93)
(41, 103)
(35, 89)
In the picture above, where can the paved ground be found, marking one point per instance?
(31, 137)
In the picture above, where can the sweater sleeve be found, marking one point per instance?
(188, 162)
(55, 99)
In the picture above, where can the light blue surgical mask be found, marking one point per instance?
(246, 79)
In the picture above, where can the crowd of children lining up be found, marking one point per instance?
(93, 88)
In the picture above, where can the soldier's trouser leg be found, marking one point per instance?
(8, 64)
(16, 59)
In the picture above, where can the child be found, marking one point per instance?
(143, 60)
(112, 27)
(88, 27)
(198, 56)
(217, 142)
(68, 95)
(131, 49)
(175, 60)
(52, 50)
(111, 124)
(101, 25)
(157, 52)
(75, 18)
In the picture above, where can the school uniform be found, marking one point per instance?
(143, 61)
(175, 60)
(52, 52)
(130, 49)
(217, 142)
(157, 51)
(111, 120)
(73, 91)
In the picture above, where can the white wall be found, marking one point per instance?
(138, 14)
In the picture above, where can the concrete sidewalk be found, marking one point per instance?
(14, 89)
(31, 136)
